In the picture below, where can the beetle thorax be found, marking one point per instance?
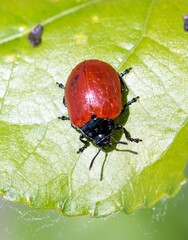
(98, 130)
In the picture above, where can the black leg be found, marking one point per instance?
(121, 78)
(85, 142)
(60, 85)
(128, 137)
(122, 83)
(125, 72)
(64, 103)
(129, 103)
(127, 134)
(64, 118)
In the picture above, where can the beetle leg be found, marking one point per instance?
(60, 85)
(85, 142)
(122, 84)
(64, 118)
(128, 137)
(121, 77)
(125, 72)
(129, 103)
(64, 103)
(127, 134)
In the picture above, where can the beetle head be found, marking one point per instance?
(102, 140)
(99, 131)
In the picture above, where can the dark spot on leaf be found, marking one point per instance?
(35, 36)
(185, 18)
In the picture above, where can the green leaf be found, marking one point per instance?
(38, 160)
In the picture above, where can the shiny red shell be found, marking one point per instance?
(93, 88)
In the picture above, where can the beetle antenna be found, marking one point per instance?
(92, 161)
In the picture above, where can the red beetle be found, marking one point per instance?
(93, 97)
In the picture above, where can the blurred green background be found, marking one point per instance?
(167, 220)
